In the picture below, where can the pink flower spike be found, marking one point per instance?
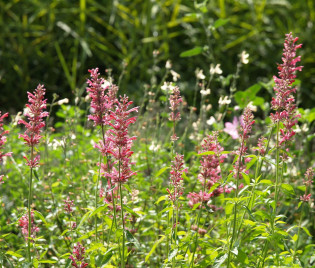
(35, 114)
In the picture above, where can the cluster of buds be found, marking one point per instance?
(35, 114)
(175, 100)
(77, 256)
(23, 223)
(176, 180)
(3, 140)
(309, 175)
(284, 102)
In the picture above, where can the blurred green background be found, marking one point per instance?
(55, 42)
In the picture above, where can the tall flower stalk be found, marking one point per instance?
(35, 114)
(239, 167)
(285, 116)
(101, 104)
(210, 174)
(121, 151)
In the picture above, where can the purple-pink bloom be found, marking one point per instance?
(309, 175)
(77, 256)
(68, 205)
(35, 114)
(175, 100)
(3, 140)
(284, 103)
(176, 173)
(232, 128)
(23, 223)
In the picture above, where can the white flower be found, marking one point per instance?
(224, 101)
(200, 75)
(106, 84)
(211, 121)
(205, 92)
(63, 101)
(252, 107)
(244, 57)
(215, 69)
(154, 147)
(168, 64)
(175, 75)
(168, 87)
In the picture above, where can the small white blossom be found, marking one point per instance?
(168, 87)
(211, 121)
(205, 92)
(63, 101)
(175, 75)
(215, 69)
(224, 101)
(244, 57)
(200, 75)
(252, 107)
(168, 64)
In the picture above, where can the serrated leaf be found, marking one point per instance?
(103, 259)
(161, 198)
(191, 52)
(99, 209)
(288, 188)
(84, 218)
(307, 231)
(246, 178)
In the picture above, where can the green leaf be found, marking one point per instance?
(84, 218)
(132, 239)
(47, 261)
(39, 215)
(191, 52)
(307, 231)
(269, 182)
(207, 153)
(36, 174)
(162, 170)
(12, 253)
(246, 178)
(128, 209)
(173, 253)
(103, 259)
(288, 189)
(220, 22)
(229, 208)
(154, 247)
(99, 209)
(161, 198)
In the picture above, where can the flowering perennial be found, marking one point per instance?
(35, 113)
(176, 179)
(284, 103)
(68, 206)
(23, 223)
(175, 100)
(77, 256)
(309, 175)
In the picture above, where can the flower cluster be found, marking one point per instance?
(246, 128)
(176, 179)
(120, 140)
(175, 100)
(284, 102)
(3, 140)
(309, 175)
(68, 206)
(210, 172)
(23, 223)
(35, 113)
(100, 102)
(77, 256)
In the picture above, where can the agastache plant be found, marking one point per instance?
(24, 224)
(240, 167)
(77, 256)
(175, 100)
(285, 116)
(120, 150)
(210, 174)
(35, 114)
(3, 140)
(103, 96)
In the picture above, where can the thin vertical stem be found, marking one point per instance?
(29, 207)
(123, 224)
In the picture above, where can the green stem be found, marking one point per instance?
(29, 208)
(96, 195)
(123, 223)
(298, 235)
